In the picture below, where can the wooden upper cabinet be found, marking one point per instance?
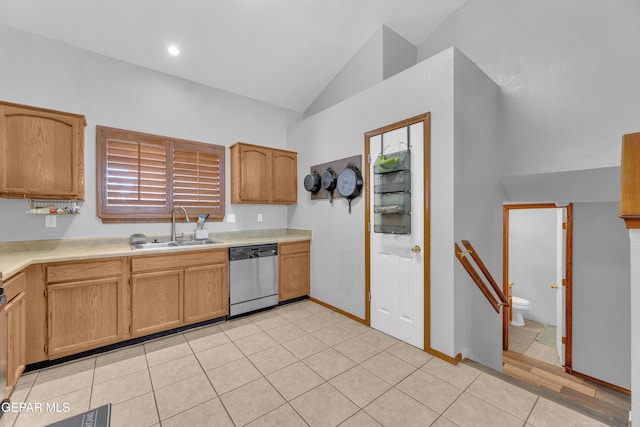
(285, 177)
(263, 175)
(253, 171)
(41, 153)
(630, 180)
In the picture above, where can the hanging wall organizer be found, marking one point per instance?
(392, 189)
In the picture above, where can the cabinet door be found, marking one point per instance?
(285, 177)
(83, 315)
(294, 270)
(16, 334)
(205, 293)
(43, 153)
(255, 165)
(156, 301)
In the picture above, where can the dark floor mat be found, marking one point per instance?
(98, 417)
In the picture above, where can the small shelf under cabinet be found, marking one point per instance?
(53, 207)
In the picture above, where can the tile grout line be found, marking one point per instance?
(462, 391)
(93, 378)
(533, 407)
(325, 381)
(492, 404)
(193, 353)
(153, 390)
(287, 402)
(378, 350)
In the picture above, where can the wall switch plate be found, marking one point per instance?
(50, 221)
(259, 217)
(231, 217)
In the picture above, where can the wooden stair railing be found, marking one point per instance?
(462, 257)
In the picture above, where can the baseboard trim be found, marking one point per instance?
(337, 310)
(602, 383)
(445, 357)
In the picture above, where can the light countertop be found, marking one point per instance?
(15, 256)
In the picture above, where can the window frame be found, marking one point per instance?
(124, 213)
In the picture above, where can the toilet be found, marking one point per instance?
(519, 306)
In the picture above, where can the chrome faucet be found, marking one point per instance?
(174, 236)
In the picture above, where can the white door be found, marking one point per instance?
(397, 270)
(560, 274)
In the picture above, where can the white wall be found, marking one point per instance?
(568, 80)
(385, 54)
(533, 260)
(337, 262)
(568, 74)
(398, 53)
(478, 210)
(363, 70)
(54, 75)
(585, 185)
(634, 238)
(337, 269)
(601, 294)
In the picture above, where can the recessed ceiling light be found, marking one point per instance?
(173, 50)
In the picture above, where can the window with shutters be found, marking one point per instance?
(141, 177)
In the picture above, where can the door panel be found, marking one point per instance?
(397, 279)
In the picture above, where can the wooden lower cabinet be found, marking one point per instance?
(82, 305)
(16, 334)
(156, 301)
(294, 276)
(205, 293)
(85, 305)
(15, 328)
(168, 291)
(83, 315)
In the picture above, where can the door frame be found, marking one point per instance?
(568, 274)
(426, 120)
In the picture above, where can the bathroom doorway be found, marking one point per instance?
(537, 256)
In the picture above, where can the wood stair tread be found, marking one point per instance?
(607, 404)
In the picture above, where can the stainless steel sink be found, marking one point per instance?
(197, 242)
(153, 245)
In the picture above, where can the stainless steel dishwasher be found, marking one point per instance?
(253, 278)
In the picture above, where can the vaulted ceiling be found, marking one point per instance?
(283, 52)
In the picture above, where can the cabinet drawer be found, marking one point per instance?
(178, 260)
(15, 285)
(90, 269)
(293, 248)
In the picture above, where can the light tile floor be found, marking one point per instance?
(522, 339)
(296, 365)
